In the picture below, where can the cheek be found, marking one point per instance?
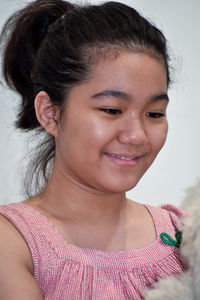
(95, 131)
(86, 134)
(157, 137)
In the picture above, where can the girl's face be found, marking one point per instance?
(114, 124)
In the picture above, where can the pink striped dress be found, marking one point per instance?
(64, 271)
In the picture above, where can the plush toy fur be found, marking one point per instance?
(185, 286)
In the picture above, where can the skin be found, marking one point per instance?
(119, 110)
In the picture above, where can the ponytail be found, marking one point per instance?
(22, 36)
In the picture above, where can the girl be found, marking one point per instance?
(95, 80)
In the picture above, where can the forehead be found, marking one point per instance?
(129, 70)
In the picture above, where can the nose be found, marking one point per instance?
(133, 131)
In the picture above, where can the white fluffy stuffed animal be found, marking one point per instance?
(185, 286)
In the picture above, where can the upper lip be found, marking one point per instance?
(128, 155)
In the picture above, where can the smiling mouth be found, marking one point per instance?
(125, 160)
(121, 156)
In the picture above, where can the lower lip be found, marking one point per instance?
(123, 162)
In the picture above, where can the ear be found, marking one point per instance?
(47, 113)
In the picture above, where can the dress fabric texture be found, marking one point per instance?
(64, 271)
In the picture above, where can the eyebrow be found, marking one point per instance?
(126, 97)
(112, 93)
(159, 97)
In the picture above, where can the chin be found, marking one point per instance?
(121, 187)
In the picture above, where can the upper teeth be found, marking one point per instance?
(121, 157)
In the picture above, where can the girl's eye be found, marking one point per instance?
(111, 111)
(155, 115)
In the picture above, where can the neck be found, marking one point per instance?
(66, 197)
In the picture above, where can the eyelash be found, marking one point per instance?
(111, 111)
(155, 115)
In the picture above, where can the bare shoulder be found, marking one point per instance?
(16, 272)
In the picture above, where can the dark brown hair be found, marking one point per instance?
(49, 45)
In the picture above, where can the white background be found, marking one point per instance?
(177, 166)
